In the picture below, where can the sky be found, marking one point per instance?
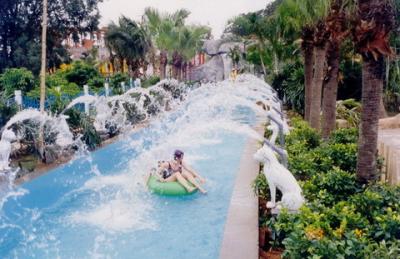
(214, 13)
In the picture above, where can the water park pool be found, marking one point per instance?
(97, 206)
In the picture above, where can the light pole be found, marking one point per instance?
(43, 65)
(43, 79)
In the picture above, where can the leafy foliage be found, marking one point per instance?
(16, 79)
(342, 218)
(116, 80)
(81, 74)
(290, 85)
(20, 30)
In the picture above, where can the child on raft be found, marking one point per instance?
(177, 170)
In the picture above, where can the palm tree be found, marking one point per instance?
(338, 29)
(251, 26)
(371, 36)
(129, 42)
(190, 41)
(307, 16)
(164, 30)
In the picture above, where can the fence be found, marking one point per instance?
(26, 102)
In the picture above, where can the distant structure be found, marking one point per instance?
(81, 48)
(219, 65)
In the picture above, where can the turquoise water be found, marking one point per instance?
(97, 206)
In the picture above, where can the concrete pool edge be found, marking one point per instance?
(240, 238)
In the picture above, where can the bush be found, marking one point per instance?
(343, 156)
(304, 165)
(81, 73)
(115, 82)
(344, 136)
(153, 80)
(331, 187)
(349, 110)
(342, 218)
(81, 123)
(290, 85)
(96, 83)
(6, 111)
(16, 79)
(260, 186)
(382, 250)
(302, 138)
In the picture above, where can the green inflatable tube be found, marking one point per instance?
(167, 188)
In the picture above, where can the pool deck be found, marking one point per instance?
(241, 229)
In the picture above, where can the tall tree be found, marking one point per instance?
(371, 36)
(129, 42)
(251, 26)
(338, 29)
(307, 16)
(164, 30)
(20, 30)
(189, 42)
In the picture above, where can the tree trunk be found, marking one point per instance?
(276, 64)
(43, 58)
(262, 62)
(307, 35)
(308, 75)
(372, 79)
(163, 64)
(318, 79)
(330, 91)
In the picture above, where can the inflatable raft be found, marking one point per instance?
(166, 188)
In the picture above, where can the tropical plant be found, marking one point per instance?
(289, 84)
(337, 26)
(16, 79)
(116, 80)
(307, 17)
(375, 21)
(129, 42)
(177, 42)
(6, 110)
(81, 73)
(251, 26)
(20, 30)
(349, 110)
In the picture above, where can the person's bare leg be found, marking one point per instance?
(193, 181)
(200, 179)
(183, 181)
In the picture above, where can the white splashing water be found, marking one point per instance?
(197, 121)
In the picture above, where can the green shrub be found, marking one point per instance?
(342, 218)
(260, 186)
(375, 198)
(6, 111)
(115, 82)
(153, 80)
(290, 83)
(331, 187)
(383, 250)
(81, 73)
(349, 110)
(304, 165)
(80, 122)
(96, 83)
(16, 79)
(344, 136)
(343, 156)
(302, 138)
